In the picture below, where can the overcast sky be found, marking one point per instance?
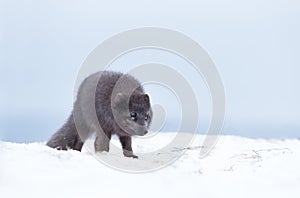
(255, 45)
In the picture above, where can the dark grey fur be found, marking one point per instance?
(106, 103)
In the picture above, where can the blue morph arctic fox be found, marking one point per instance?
(125, 111)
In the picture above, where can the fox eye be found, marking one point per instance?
(147, 117)
(133, 116)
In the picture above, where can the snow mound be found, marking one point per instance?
(236, 167)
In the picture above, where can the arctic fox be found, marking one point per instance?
(107, 103)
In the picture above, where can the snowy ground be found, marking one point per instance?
(237, 167)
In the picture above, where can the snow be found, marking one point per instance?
(236, 167)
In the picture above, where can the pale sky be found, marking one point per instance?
(255, 45)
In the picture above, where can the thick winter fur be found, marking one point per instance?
(107, 103)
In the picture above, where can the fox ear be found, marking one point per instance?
(146, 98)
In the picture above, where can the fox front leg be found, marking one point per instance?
(126, 145)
